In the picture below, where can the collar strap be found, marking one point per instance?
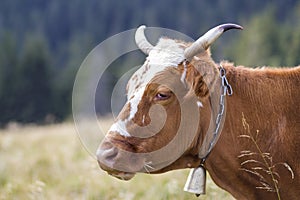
(218, 105)
(197, 177)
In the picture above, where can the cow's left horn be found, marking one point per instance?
(141, 40)
(207, 39)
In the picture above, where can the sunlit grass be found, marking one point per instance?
(49, 163)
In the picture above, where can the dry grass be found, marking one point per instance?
(263, 168)
(49, 163)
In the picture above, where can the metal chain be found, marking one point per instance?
(226, 86)
(226, 89)
(196, 180)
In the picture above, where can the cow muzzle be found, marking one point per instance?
(118, 162)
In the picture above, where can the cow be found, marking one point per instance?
(184, 110)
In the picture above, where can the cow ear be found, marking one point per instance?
(199, 87)
(201, 76)
(197, 83)
(207, 74)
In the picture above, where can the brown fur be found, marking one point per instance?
(265, 99)
(268, 99)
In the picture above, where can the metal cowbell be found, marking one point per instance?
(196, 182)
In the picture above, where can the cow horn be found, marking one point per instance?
(207, 39)
(141, 40)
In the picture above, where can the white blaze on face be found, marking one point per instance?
(120, 127)
(167, 53)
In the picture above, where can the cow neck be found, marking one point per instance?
(197, 177)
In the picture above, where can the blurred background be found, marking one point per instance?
(42, 43)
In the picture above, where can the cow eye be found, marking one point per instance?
(162, 96)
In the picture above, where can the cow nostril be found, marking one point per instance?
(110, 154)
(107, 153)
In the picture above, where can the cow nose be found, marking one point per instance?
(106, 153)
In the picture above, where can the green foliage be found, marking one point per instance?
(32, 90)
(26, 94)
(42, 43)
(266, 42)
(8, 60)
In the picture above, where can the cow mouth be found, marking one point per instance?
(117, 162)
(125, 176)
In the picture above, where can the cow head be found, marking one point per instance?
(167, 114)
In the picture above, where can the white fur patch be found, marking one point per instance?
(120, 127)
(199, 104)
(167, 53)
(134, 102)
(183, 76)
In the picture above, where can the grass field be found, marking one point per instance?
(49, 162)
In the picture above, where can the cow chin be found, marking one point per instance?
(125, 176)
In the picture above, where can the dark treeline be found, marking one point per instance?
(42, 43)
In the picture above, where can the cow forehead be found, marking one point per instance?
(167, 53)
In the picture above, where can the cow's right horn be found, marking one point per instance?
(141, 40)
(204, 42)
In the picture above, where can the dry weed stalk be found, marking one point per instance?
(265, 166)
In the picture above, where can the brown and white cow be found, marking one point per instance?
(168, 114)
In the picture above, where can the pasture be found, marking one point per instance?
(49, 162)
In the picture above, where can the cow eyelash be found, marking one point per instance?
(162, 96)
